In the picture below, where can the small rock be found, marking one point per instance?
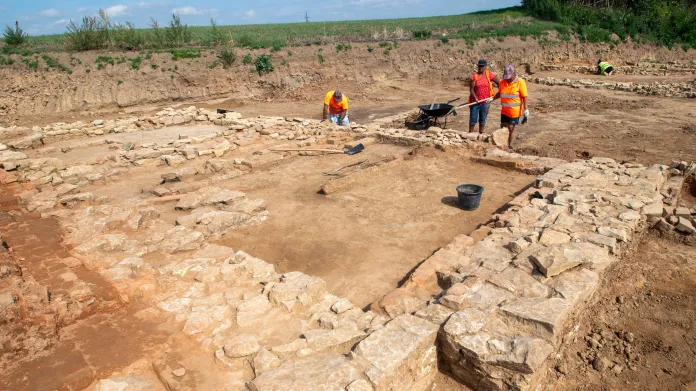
(341, 306)
(98, 122)
(683, 212)
(601, 364)
(179, 372)
(162, 191)
(620, 299)
(617, 369)
(629, 337)
(683, 225)
(673, 220)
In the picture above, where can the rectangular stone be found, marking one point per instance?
(401, 355)
(543, 317)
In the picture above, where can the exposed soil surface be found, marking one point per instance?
(642, 331)
(365, 238)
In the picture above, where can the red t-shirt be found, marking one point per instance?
(481, 87)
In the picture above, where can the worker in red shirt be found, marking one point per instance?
(481, 88)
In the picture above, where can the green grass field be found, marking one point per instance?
(488, 24)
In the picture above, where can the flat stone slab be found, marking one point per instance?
(321, 372)
(400, 356)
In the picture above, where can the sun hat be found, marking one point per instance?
(509, 71)
(338, 95)
(482, 63)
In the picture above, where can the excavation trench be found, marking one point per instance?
(367, 235)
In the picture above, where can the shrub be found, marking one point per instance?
(127, 37)
(321, 59)
(53, 63)
(185, 53)
(154, 66)
(88, 35)
(263, 64)
(33, 65)
(227, 57)
(16, 36)
(6, 60)
(422, 34)
(214, 35)
(444, 40)
(247, 59)
(22, 52)
(135, 63)
(119, 82)
(178, 34)
(284, 63)
(212, 65)
(370, 49)
(384, 44)
(277, 46)
(104, 60)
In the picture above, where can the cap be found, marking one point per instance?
(509, 71)
(338, 95)
(482, 63)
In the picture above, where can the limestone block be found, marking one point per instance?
(264, 361)
(682, 212)
(293, 284)
(611, 232)
(320, 339)
(241, 346)
(341, 306)
(127, 383)
(250, 311)
(401, 355)
(244, 264)
(544, 317)
(553, 261)
(208, 196)
(314, 373)
(500, 137)
(520, 283)
(291, 347)
(435, 313)
(551, 237)
(685, 226)
(576, 285)
(180, 239)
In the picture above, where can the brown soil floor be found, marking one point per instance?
(651, 306)
(364, 239)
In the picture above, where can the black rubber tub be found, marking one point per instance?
(469, 196)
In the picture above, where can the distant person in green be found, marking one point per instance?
(604, 68)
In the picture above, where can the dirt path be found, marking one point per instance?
(374, 231)
(644, 325)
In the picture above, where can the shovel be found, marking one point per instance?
(351, 151)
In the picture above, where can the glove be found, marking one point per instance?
(526, 113)
(525, 117)
(489, 100)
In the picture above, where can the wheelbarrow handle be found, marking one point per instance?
(453, 100)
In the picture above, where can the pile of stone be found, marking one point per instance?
(678, 90)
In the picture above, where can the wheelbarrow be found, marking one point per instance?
(431, 115)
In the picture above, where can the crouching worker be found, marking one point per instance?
(336, 108)
(604, 68)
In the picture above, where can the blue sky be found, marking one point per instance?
(50, 17)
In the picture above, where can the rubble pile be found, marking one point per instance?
(639, 68)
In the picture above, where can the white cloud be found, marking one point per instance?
(61, 21)
(188, 10)
(250, 14)
(82, 9)
(151, 4)
(50, 13)
(116, 10)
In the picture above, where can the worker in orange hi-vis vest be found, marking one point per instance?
(513, 98)
(481, 88)
(336, 108)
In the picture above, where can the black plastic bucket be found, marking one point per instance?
(469, 196)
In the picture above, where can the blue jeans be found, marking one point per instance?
(478, 113)
(336, 118)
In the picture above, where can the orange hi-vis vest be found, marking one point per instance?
(511, 94)
(490, 85)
